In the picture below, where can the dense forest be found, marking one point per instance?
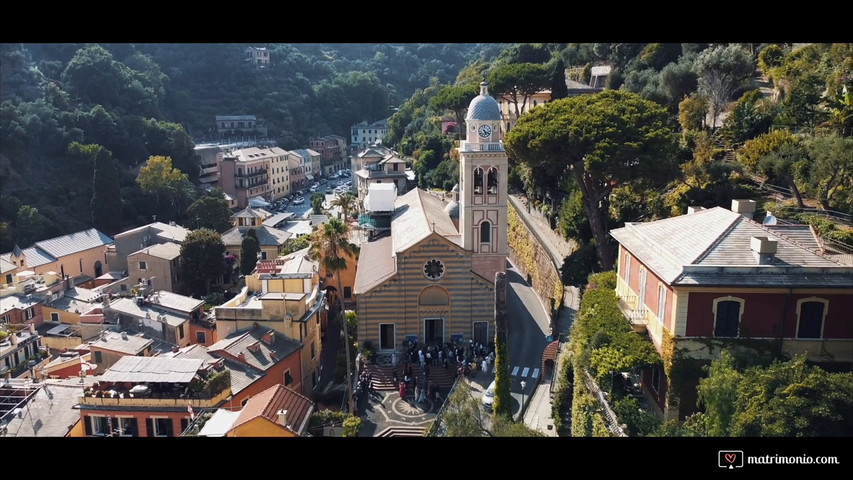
(137, 101)
(734, 113)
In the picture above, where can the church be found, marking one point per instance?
(431, 278)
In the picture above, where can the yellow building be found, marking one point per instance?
(431, 278)
(284, 295)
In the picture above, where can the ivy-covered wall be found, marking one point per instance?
(526, 252)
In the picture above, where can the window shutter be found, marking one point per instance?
(87, 424)
(134, 427)
(149, 425)
(115, 425)
(170, 430)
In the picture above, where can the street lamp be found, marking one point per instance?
(521, 415)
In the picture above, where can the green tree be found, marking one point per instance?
(106, 194)
(750, 117)
(692, 112)
(678, 81)
(517, 82)
(32, 226)
(295, 244)
(210, 211)
(718, 394)
(502, 405)
(829, 175)
(347, 202)
(317, 200)
(202, 259)
(559, 89)
(249, 250)
(752, 150)
(601, 141)
(781, 164)
(722, 71)
(157, 176)
(793, 399)
(330, 244)
(769, 58)
(455, 98)
(463, 416)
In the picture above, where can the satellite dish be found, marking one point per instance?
(769, 219)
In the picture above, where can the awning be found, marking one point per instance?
(309, 176)
(258, 202)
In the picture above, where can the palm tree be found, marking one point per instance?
(330, 244)
(347, 203)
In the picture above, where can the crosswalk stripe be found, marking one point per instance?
(534, 373)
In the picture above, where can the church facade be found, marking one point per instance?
(431, 278)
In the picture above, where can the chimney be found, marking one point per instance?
(124, 335)
(254, 346)
(744, 207)
(32, 329)
(241, 356)
(175, 349)
(67, 282)
(694, 210)
(269, 337)
(282, 417)
(763, 249)
(14, 337)
(273, 355)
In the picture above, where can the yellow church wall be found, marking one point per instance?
(398, 300)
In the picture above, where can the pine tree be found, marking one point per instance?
(106, 194)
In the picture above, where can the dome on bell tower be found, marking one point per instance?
(483, 106)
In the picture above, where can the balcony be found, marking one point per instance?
(635, 314)
(152, 395)
(255, 173)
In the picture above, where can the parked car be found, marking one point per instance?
(489, 397)
(299, 201)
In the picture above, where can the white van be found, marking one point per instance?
(489, 397)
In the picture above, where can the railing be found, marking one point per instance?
(610, 417)
(168, 400)
(253, 173)
(482, 147)
(436, 429)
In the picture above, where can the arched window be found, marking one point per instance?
(727, 313)
(478, 181)
(485, 232)
(811, 313)
(493, 181)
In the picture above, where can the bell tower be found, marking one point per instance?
(483, 169)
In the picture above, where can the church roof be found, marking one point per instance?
(483, 106)
(382, 264)
(417, 214)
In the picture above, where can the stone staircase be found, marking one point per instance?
(383, 376)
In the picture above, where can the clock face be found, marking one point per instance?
(433, 269)
(484, 131)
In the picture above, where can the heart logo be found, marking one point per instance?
(731, 457)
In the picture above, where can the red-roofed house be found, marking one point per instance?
(715, 279)
(276, 412)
